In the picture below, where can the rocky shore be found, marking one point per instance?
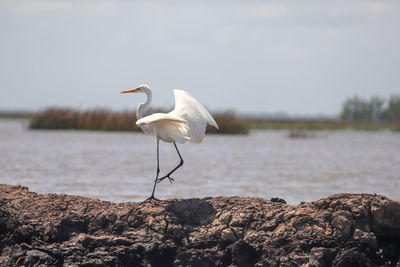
(63, 230)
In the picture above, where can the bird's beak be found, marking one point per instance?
(130, 90)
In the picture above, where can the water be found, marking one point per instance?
(121, 166)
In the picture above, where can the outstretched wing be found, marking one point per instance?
(194, 113)
(158, 117)
(167, 127)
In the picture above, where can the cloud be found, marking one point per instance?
(230, 50)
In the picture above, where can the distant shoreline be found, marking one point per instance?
(229, 122)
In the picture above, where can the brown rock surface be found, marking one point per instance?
(62, 230)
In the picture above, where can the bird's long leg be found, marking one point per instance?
(158, 172)
(177, 167)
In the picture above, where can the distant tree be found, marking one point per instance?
(352, 109)
(393, 108)
(375, 108)
(357, 109)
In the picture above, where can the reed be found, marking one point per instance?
(228, 121)
(106, 120)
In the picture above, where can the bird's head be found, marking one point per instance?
(139, 89)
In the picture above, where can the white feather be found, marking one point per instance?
(158, 117)
(194, 113)
(187, 122)
(167, 127)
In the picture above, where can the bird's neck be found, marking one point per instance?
(144, 106)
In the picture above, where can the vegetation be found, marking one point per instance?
(332, 124)
(392, 111)
(357, 113)
(374, 109)
(102, 119)
(229, 123)
(16, 115)
(98, 119)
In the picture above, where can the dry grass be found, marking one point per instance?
(98, 119)
(105, 120)
(229, 123)
(293, 124)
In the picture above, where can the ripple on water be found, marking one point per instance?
(121, 166)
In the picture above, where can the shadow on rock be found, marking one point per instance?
(193, 212)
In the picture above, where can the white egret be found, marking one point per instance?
(186, 122)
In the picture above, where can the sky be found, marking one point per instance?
(298, 57)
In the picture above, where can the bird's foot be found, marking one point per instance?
(159, 180)
(151, 199)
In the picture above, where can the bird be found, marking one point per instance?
(187, 122)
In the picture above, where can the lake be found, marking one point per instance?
(119, 166)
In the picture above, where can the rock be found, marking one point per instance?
(63, 230)
(228, 235)
(321, 256)
(36, 257)
(277, 199)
